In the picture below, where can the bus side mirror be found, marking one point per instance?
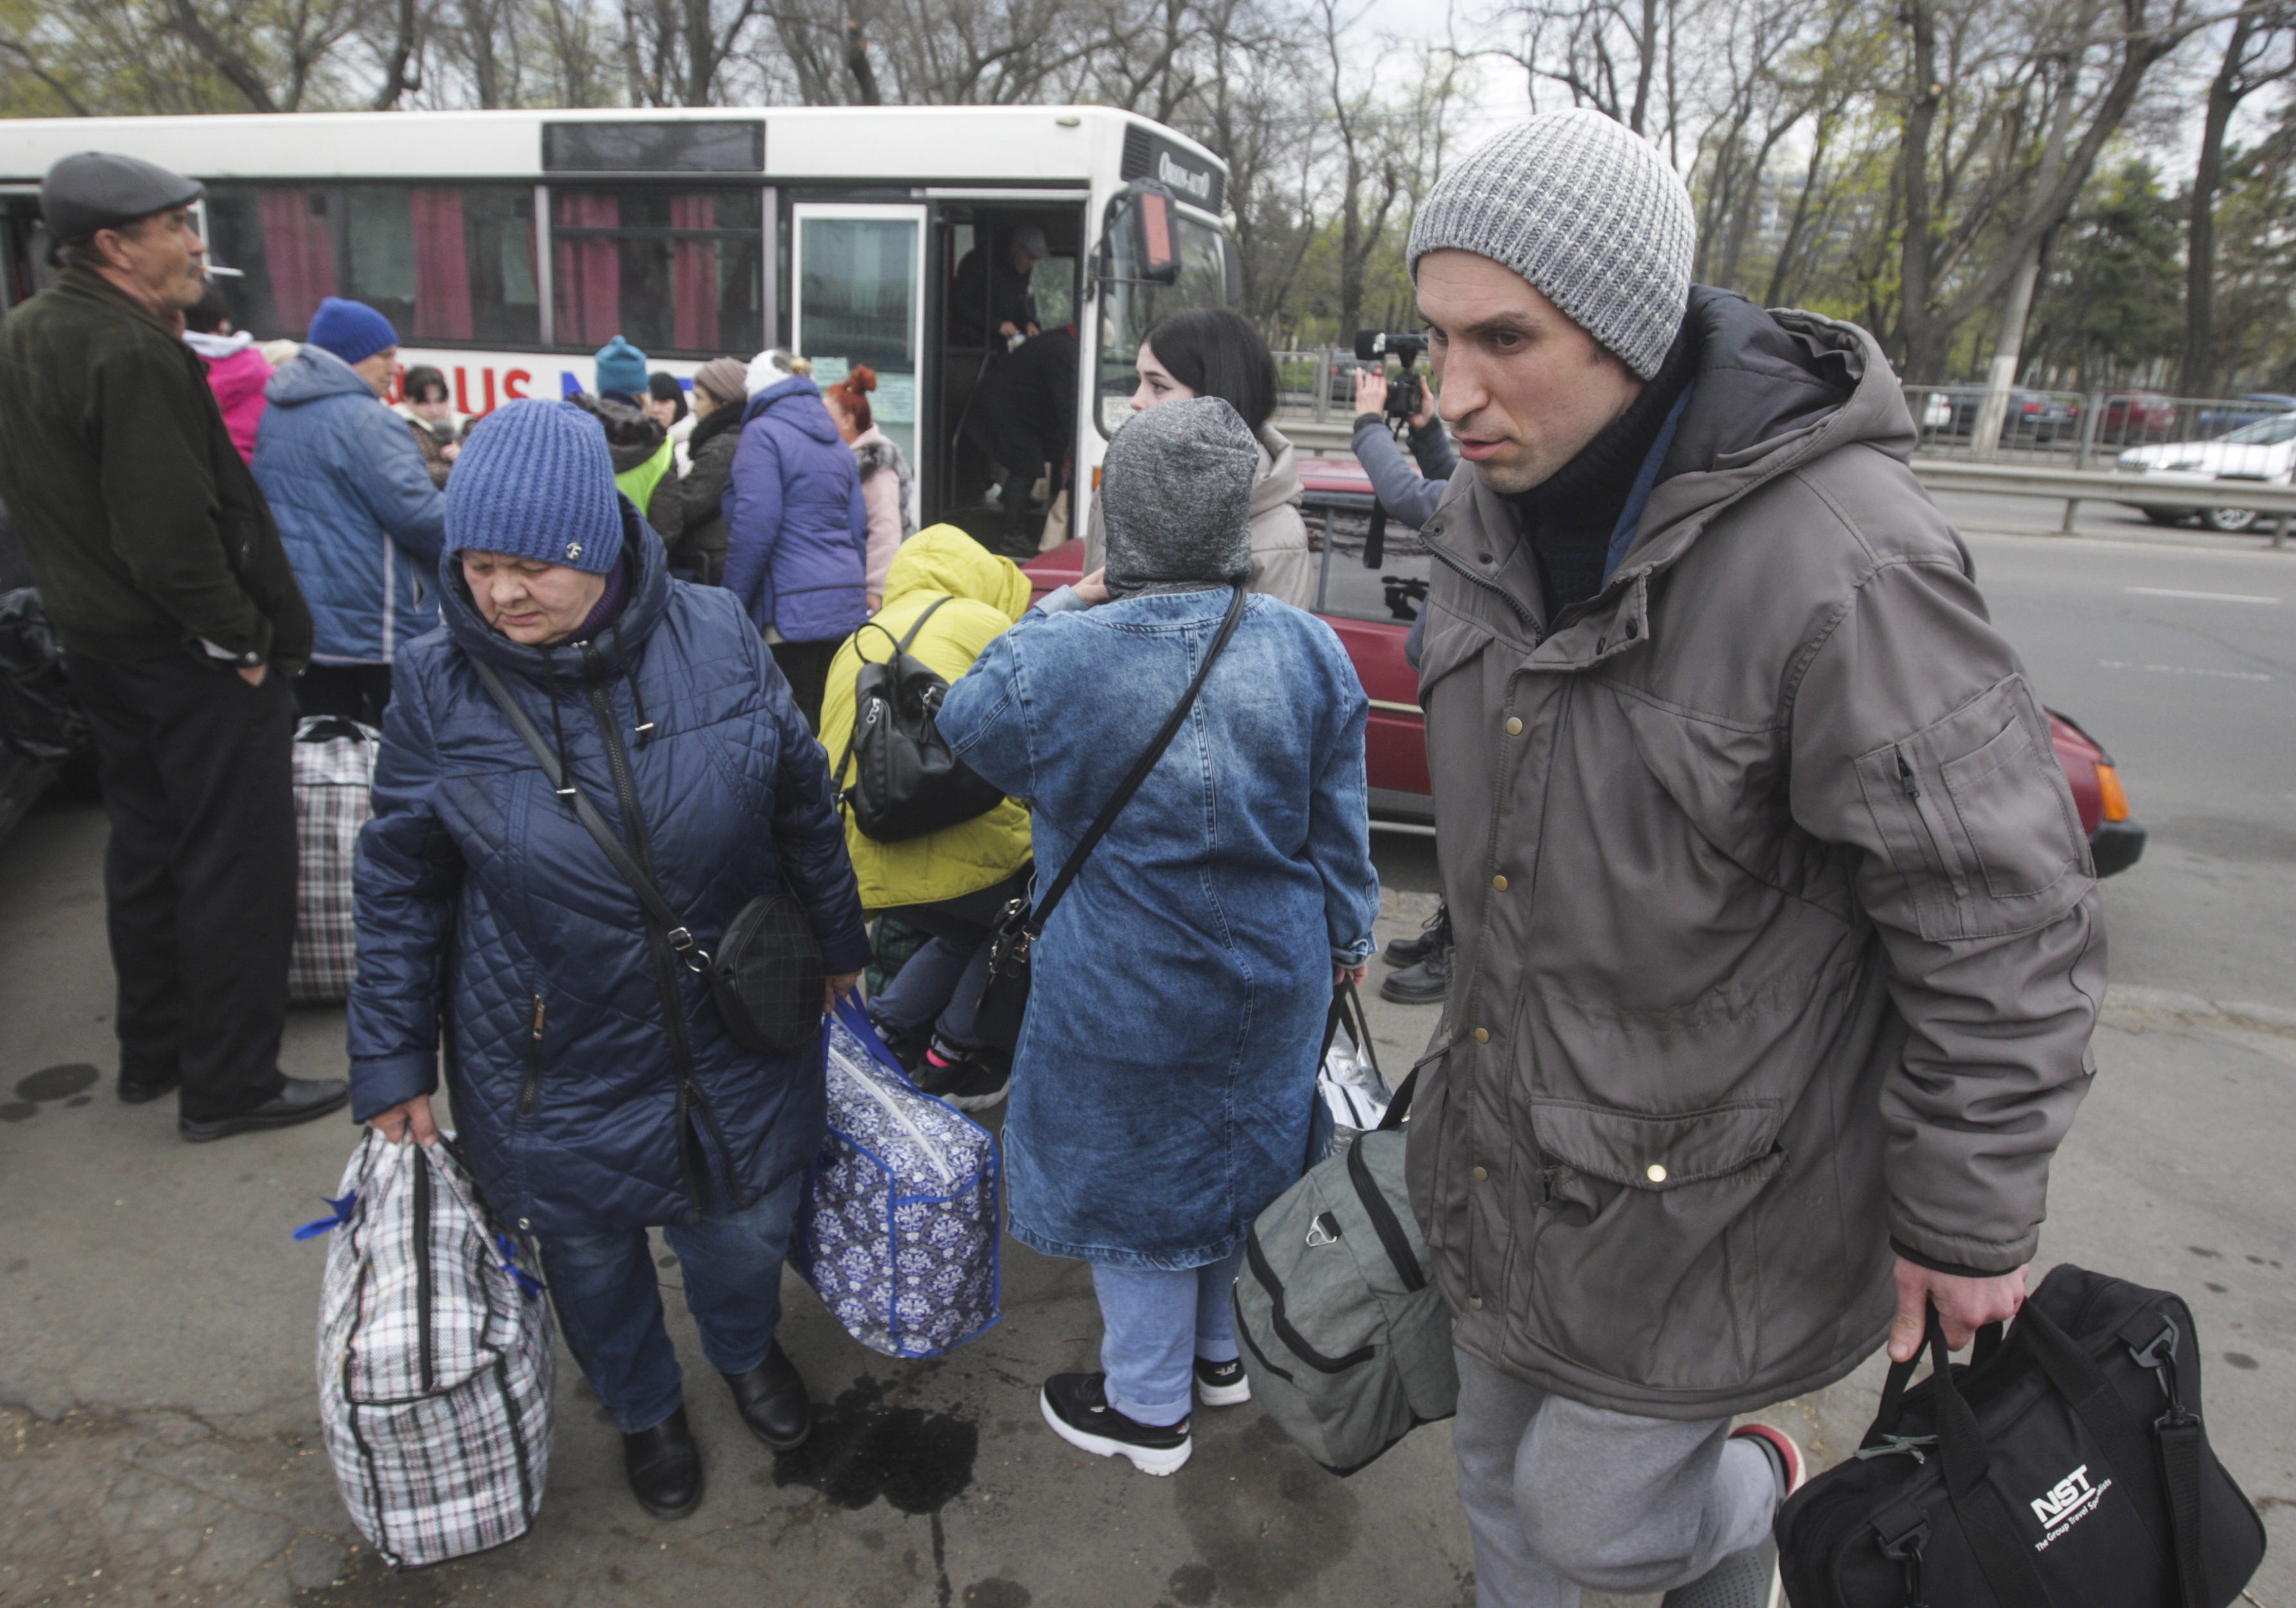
(1152, 227)
(1141, 245)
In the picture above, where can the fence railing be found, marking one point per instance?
(2099, 430)
(1318, 385)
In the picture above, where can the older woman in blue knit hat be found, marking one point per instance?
(488, 914)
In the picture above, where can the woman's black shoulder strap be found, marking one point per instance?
(1140, 769)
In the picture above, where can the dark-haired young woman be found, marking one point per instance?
(1215, 352)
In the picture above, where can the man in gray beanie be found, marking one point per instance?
(1778, 944)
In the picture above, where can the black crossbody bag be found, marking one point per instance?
(1005, 999)
(908, 783)
(2066, 1467)
(766, 977)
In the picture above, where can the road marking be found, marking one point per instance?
(2182, 669)
(2247, 597)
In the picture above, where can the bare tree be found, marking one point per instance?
(2255, 54)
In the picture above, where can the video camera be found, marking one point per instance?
(1406, 393)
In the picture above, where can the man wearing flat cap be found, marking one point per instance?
(158, 561)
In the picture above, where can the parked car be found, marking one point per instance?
(2136, 415)
(2035, 415)
(2250, 407)
(1372, 606)
(2178, 474)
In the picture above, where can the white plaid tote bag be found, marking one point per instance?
(438, 1360)
(333, 773)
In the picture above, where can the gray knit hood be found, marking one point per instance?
(1175, 498)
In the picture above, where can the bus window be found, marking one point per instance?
(859, 300)
(1207, 278)
(443, 264)
(281, 240)
(674, 271)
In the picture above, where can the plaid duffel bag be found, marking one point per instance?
(436, 1360)
(898, 1231)
(333, 772)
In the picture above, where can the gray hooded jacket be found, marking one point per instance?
(1778, 937)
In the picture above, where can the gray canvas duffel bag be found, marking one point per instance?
(1346, 1339)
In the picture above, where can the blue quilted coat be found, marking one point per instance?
(360, 520)
(797, 532)
(483, 904)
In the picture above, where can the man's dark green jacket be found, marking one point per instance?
(143, 527)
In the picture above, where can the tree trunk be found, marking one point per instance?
(2197, 374)
(857, 62)
(1925, 360)
(1984, 434)
(397, 78)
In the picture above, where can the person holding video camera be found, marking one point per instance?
(1422, 963)
(1408, 494)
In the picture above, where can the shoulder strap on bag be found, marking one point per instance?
(674, 927)
(1139, 773)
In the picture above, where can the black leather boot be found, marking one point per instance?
(1425, 983)
(773, 1401)
(665, 1467)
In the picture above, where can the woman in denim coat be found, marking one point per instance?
(1164, 1086)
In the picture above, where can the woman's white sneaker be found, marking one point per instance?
(1076, 1407)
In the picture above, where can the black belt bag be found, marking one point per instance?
(766, 977)
(1005, 1001)
(2066, 1467)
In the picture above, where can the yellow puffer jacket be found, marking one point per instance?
(987, 594)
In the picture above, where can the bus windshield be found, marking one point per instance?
(1209, 278)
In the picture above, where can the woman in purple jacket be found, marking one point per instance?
(797, 531)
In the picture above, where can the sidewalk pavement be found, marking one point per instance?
(158, 1442)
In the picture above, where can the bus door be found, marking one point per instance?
(24, 266)
(856, 297)
(1007, 390)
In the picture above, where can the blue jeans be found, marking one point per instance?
(939, 989)
(1159, 1321)
(609, 1303)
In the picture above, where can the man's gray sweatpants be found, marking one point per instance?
(1560, 1495)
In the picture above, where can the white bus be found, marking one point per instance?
(508, 246)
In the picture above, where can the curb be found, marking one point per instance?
(2235, 1013)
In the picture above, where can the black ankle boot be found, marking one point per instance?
(773, 1401)
(665, 1467)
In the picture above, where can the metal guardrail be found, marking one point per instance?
(2077, 486)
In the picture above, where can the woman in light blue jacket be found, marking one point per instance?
(362, 521)
(1164, 1086)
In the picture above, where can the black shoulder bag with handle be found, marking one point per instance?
(766, 977)
(1005, 999)
(2066, 1467)
(908, 783)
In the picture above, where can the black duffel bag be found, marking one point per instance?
(907, 783)
(2066, 1467)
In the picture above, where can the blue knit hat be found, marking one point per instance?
(535, 481)
(621, 369)
(351, 330)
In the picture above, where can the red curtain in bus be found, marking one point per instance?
(298, 248)
(442, 265)
(589, 271)
(694, 274)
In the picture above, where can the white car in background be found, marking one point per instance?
(2202, 478)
